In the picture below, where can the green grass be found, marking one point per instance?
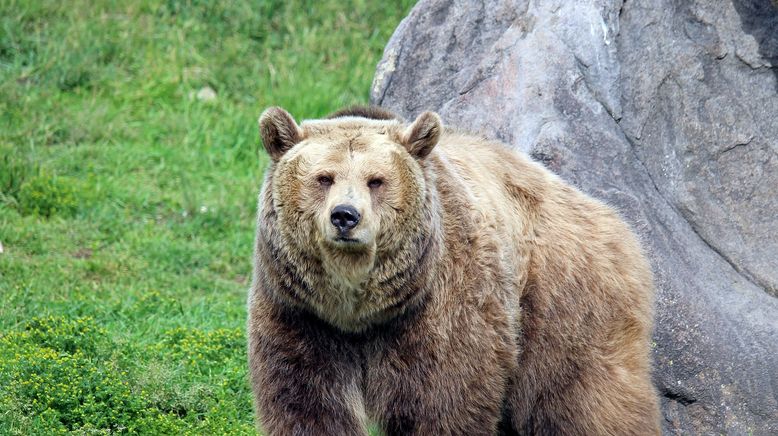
(127, 204)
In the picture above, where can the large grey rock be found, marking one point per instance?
(667, 110)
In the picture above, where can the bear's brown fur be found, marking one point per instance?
(477, 294)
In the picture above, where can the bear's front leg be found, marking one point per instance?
(304, 378)
(427, 380)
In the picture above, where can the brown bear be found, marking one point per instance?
(435, 283)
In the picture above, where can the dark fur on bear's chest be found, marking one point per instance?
(397, 371)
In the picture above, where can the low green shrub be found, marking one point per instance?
(204, 351)
(45, 195)
(60, 371)
(67, 375)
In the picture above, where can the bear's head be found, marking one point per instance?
(349, 194)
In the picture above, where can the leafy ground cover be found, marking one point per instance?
(128, 195)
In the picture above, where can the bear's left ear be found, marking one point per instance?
(422, 135)
(279, 132)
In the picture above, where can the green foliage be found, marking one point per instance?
(62, 374)
(46, 195)
(127, 203)
(59, 371)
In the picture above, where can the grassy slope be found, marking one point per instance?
(127, 204)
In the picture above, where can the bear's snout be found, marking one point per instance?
(344, 217)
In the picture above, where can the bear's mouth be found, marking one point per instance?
(343, 239)
(344, 244)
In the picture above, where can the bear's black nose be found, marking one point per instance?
(344, 217)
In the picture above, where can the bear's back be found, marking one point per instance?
(532, 213)
(501, 187)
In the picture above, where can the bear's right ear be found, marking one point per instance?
(279, 132)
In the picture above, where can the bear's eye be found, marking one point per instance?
(324, 180)
(375, 183)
